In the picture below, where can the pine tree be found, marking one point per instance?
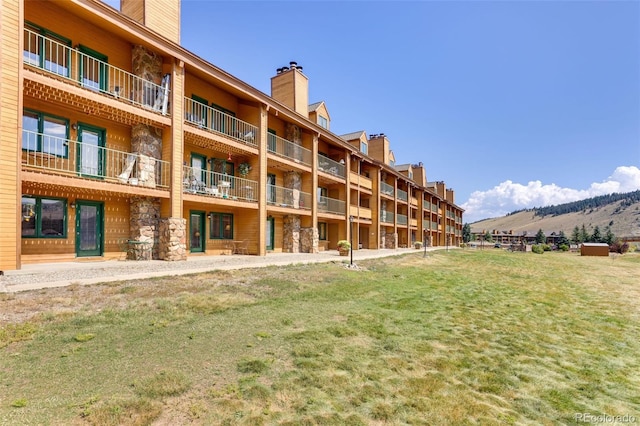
(609, 237)
(575, 235)
(596, 237)
(466, 233)
(584, 235)
(540, 237)
(562, 239)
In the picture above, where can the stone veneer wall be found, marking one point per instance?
(291, 234)
(173, 239)
(309, 240)
(143, 227)
(146, 143)
(391, 241)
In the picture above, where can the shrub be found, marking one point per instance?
(344, 245)
(564, 247)
(537, 248)
(619, 247)
(546, 247)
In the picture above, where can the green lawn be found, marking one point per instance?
(460, 337)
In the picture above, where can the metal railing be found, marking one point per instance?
(93, 74)
(287, 149)
(217, 121)
(68, 157)
(402, 195)
(287, 197)
(327, 165)
(386, 189)
(331, 205)
(402, 219)
(386, 217)
(214, 184)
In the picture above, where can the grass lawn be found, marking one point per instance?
(460, 337)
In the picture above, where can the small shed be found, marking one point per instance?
(594, 249)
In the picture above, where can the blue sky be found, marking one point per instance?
(514, 104)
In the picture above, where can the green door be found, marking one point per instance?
(89, 228)
(91, 156)
(270, 232)
(196, 231)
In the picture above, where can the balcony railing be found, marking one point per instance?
(386, 189)
(402, 195)
(287, 149)
(386, 217)
(425, 224)
(402, 219)
(68, 157)
(213, 184)
(220, 122)
(331, 205)
(327, 165)
(287, 197)
(361, 180)
(93, 74)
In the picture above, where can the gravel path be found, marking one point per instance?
(33, 277)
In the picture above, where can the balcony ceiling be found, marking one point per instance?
(55, 91)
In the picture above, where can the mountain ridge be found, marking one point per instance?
(620, 211)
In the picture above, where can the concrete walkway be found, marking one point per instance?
(83, 272)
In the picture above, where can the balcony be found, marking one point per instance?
(331, 205)
(402, 195)
(219, 185)
(386, 217)
(331, 167)
(64, 62)
(362, 181)
(289, 150)
(287, 197)
(361, 212)
(219, 122)
(402, 219)
(386, 189)
(73, 158)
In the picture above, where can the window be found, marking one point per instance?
(46, 50)
(323, 122)
(44, 218)
(364, 148)
(322, 231)
(93, 69)
(392, 163)
(410, 174)
(322, 192)
(221, 226)
(44, 133)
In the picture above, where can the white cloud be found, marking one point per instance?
(509, 196)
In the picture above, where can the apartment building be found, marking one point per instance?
(115, 139)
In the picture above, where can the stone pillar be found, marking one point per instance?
(292, 134)
(309, 240)
(292, 181)
(391, 240)
(173, 240)
(291, 234)
(148, 66)
(143, 227)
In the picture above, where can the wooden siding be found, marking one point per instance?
(10, 123)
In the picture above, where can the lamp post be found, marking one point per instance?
(424, 243)
(351, 237)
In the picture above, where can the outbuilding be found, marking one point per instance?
(594, 249)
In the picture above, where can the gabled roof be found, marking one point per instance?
(402, 167)
(353, 135)
(315, 106)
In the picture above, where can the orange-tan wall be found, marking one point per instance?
(10, 123)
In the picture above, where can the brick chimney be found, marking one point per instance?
(161, 16)
(291, 87)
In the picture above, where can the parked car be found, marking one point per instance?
(497, 245)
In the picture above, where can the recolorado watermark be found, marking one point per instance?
(604, 418)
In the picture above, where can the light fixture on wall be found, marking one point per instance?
(72, 205)
(74, 126)
(209, 216)
(229, 158)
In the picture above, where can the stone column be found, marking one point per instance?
(143, 227)
(391, 240)
(291, 234)
(173, 239)
(146, 146)
(309, 240)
